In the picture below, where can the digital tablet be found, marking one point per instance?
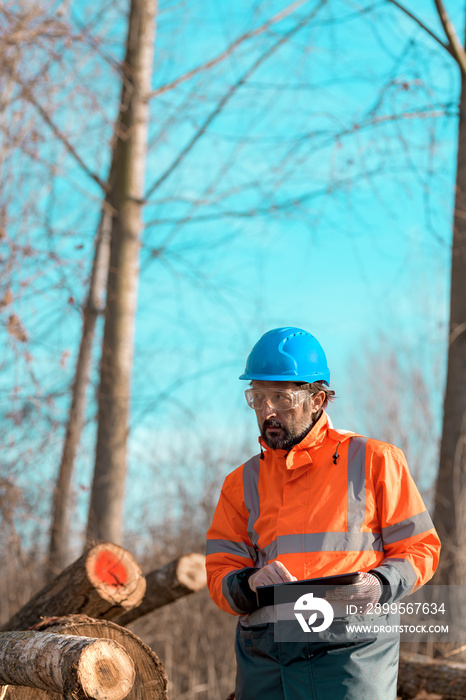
(284, 593)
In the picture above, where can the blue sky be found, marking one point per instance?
(320, 197)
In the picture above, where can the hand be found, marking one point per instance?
(364, 593)
(275, 572)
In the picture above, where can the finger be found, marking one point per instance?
(282, 571)
(273, 573)
(264, 577)
(278, 576)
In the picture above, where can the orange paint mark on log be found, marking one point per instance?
(110, 570)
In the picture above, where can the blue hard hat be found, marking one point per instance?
(287, 355)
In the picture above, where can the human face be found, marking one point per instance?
(283, 429)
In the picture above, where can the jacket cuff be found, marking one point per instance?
(397, 577)
(240, 592)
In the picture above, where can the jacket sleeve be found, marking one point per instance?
(230, 555)
(411, 544)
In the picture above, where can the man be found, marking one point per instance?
(316, 502)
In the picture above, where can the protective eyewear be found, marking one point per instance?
(280, 400)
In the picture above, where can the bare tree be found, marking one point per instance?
(58, 547)
(450, 497)
(126, 184)
(450, 492)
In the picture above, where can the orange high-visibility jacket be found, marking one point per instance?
(335, 503)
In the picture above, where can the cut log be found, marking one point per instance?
(150, 681)
(181, 577)
(103, 583)
(420, 674)
(76, 667)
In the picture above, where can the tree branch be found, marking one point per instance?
(289, 203)
(456, 47)
(358, 127)
(60, 136)
(423, 26)
(229, 94)
(229, 50)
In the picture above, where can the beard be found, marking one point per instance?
(287, 439)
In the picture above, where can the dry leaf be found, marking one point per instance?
(15, 328)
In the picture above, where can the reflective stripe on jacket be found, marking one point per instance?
(335, 503)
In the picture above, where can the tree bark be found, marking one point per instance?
(58, 547)
(419, 673)
(181, 577)
(76, 667)
(450, 495)
(150, 681)
(126, 200)
(105, 582)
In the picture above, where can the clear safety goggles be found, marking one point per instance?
(280, 400)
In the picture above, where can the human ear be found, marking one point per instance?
(318, 401)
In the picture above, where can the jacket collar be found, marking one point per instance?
(301, 454)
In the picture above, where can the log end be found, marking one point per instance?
(116, 575)
(191, 571)
(106, 671)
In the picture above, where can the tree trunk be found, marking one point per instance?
(126, 199)
(450, 496)
(150, 681)
(58, 547)
(419, 673)
(105, 582)
(179, 578)
(74, 666)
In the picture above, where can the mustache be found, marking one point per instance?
(271, 423)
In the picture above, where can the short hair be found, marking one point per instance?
(314, 387)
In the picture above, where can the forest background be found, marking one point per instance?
(296, 165)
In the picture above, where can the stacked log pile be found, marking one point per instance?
(63, 642)
(70, 640)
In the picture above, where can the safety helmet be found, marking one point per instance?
(287, 355)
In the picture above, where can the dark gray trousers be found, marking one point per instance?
(362, 669)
